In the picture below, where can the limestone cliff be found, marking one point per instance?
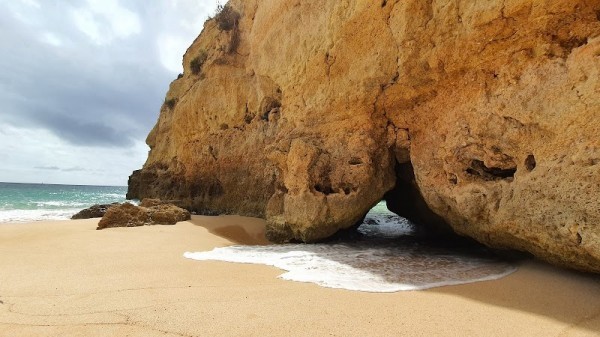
(481, 115)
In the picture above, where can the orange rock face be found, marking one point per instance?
(481, 116)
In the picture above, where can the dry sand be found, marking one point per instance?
(65, 278)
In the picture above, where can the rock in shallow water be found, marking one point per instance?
(481, 117)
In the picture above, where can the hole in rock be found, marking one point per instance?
(453, 179)
(530, 162)
(355, 161)
(269, 105)
(324, 188)
(405, 199)
(479, 169)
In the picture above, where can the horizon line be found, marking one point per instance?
(58, 184)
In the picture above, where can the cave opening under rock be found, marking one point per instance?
(406, 200)
(402, 212)
(404, 206)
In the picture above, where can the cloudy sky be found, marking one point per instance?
(82, 82)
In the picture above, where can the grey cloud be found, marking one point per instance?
(63, 169)
(47, 168)
(74, 169)
(86, 94)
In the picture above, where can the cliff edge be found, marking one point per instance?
(480, 117)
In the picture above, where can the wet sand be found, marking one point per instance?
(64, 278)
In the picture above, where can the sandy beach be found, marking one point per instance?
(64, 278)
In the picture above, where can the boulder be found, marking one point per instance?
(168, 214)
(129, 215)
(475, 117)
(95, 211)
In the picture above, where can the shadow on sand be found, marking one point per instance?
(237, 229)
(536, 288)
(563, 295)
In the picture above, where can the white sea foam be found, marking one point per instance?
(19, 215)
(116, 196)
(61, 204)
(387, 259)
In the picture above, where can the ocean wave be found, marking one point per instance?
(363, 267)
(34, 202)
(20, 215)
(388, 258)
(111, 196)
(61, 204)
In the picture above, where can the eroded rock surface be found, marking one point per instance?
(307, 113)
(154, 213)
(95, 211)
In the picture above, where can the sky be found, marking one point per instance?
(82, 82)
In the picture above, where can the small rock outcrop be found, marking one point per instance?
(477, 116)
(95, 211)
(155, 213)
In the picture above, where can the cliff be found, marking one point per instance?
(480, 116)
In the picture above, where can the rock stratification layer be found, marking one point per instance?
(478, 115)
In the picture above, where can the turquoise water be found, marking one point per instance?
(35, 202)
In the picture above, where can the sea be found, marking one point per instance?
(37, 202)
(387, 255)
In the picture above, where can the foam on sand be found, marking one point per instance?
(387, 258)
